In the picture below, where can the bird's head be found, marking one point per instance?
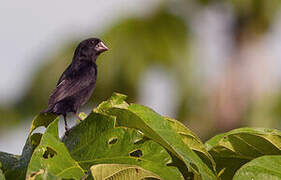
(90, 48)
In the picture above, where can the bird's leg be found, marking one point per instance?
(65, 123)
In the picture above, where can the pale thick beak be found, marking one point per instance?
(101, 47)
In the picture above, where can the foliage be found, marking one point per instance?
(129, 141)
(242, 145)
(265, 167)
(141, 42)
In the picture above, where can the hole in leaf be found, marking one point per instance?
(194, 167)
(112, 140)
(141, 141)
(225, 138)
(170, 163)
(34, 174)
(136, 153)
(49, 153)
(40, 129)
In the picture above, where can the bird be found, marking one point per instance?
(77, 83)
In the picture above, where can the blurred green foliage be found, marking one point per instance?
(8, 117)
(250, 16)
(134, 44)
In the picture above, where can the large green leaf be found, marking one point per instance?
(96, 140)
(42, 119)
(191, 140)
(233, 149)
(8, 165)
(15, 166)
(156, 128)
(120, 172)
(51, 156)
(2, 177)
(262, 168)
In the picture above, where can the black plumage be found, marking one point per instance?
(78, 81)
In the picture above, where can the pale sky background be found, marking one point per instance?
(31, 28)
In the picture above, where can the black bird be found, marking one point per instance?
(78, 81)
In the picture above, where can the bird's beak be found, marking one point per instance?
(101, 47)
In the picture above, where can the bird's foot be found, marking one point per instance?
(66, 130)
(77, 115)
(66, 133)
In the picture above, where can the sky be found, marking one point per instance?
(32, 28)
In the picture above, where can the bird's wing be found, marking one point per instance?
(72, 85)
(64, 74)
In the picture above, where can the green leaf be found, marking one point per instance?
(15, 166)
(43, 119)
(82, 116)
(120, 172)
(233, 149)
(96, 140)
(192, 141)
(156, 128)
(51, 157)
(8, 162)
(265, 167)
(2, 177)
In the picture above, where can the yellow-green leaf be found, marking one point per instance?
(51, 155)
(120, 172)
